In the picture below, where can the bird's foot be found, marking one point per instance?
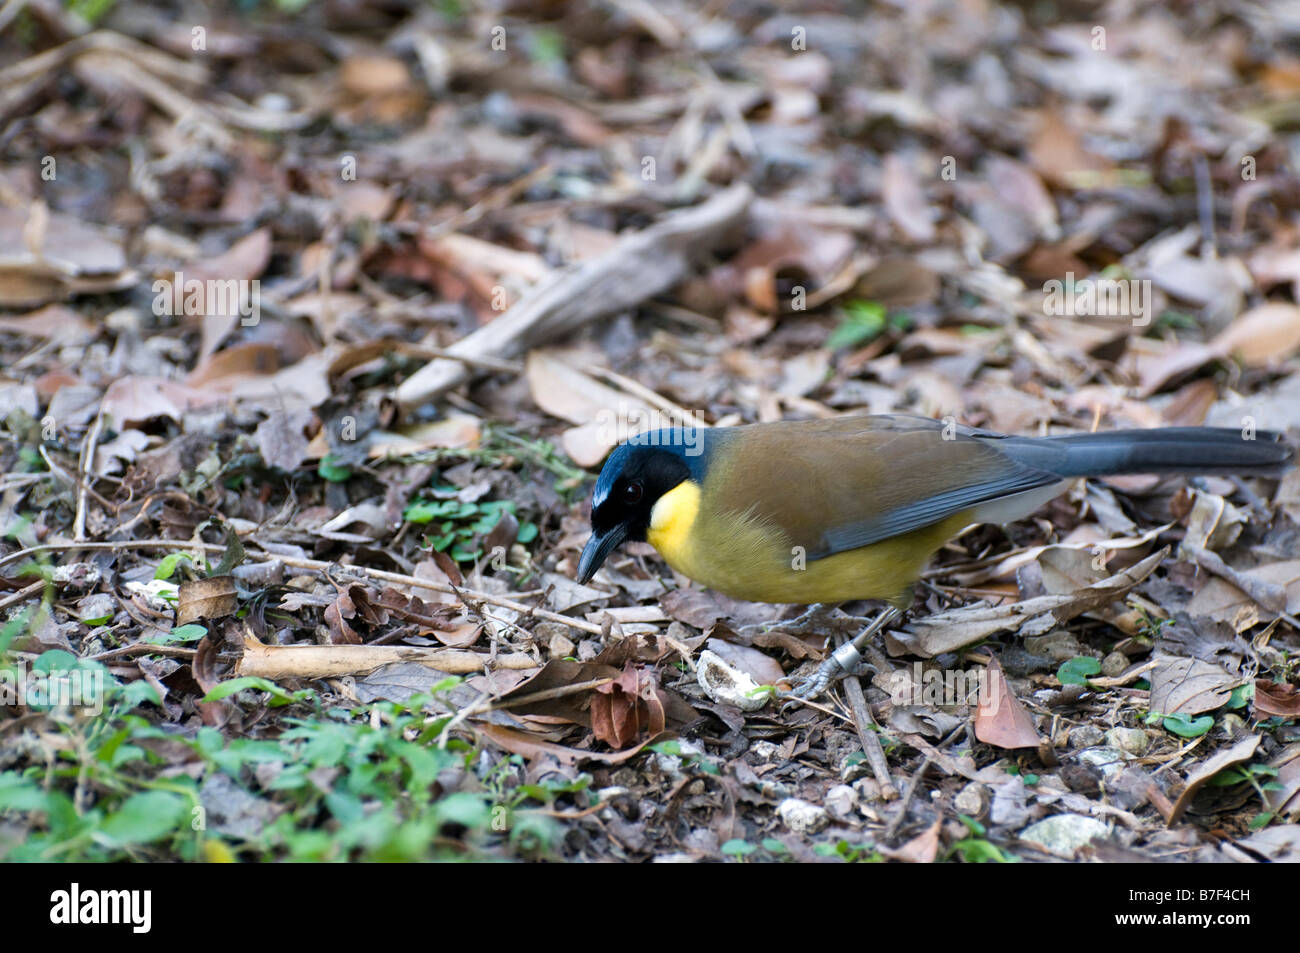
(846, 660)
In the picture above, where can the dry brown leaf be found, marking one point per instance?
(1276, 699)
(1000, 719)
(921, 849)
(223, 371)
(1058, 155)
(955, 628)
(758, 665)
(1221, 601)
(1282, 799)
(1263, 336)
(905, 201)
(1188, 686)
(213, 597)
(131, 401)
(621, 708)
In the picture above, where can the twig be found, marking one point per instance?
(317, 565)
(331, 661)
(144, 648)
(10, 11)
(85, 468)
(912, 785)
(22, 595)
(496, 200)
(636, 389)
(71, 479)
(484, 704)
(546, 694)
(637, 267)
(871, 747)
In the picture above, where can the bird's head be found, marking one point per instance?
(636, 475)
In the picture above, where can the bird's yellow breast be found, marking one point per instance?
(743, 556)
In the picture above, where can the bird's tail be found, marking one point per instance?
(1187, 450)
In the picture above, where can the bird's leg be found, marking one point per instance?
(846, 659)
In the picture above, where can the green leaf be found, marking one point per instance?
(738, 848)
(19, 794)
(468, 810)
(863, 320)
(1078, 670)
(1187, 727)
(146, 817)
(191, 632)
(978, 851)
(527, 533)
(55, 660)
(170, 563)
(329, 470)
(425, 511)
(138, 692)
(279, 695)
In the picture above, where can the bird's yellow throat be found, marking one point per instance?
(671, 519)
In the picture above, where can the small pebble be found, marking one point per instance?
(802, 817)
(1133, 740)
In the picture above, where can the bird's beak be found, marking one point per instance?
(597, 550)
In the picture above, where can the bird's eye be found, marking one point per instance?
(632, 493)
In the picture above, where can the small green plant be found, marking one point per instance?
(864, 320)
(689, 758)
(1181, 724)
(190, 632)
(1078, 670)
(850, 853)
(739, 849)
(454, 526)
(92, 11)
(977, 849)
(1251, 774)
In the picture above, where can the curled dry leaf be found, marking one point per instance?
(622, 708)
(352, 602)
(1243, 750)
(1276, 699)
(951, 630)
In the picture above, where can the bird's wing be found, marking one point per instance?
(837, 485)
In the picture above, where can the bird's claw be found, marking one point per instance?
(845, 660)
(831, 670)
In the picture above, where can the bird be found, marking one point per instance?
(827, 511)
